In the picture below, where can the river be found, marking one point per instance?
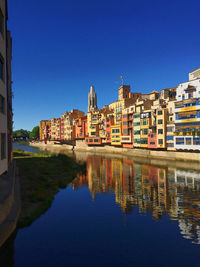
(123, 212)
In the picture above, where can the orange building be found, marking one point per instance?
(45, 129)
(81, 130)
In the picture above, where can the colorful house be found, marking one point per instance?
(145, 123)
(116, 135)
(161, 123)
(109, 121)
(187, 116)
(127, 128)
(152, 140)
(136, 129)
(81, 127)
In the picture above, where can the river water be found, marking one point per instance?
(123, 212)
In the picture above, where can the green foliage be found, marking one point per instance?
(21, 133)
(193, 133)
(176, 133)
(35, 134)
(41, 177)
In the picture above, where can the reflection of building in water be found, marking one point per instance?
(79, 181)
(124, 188)
(153, 189)
(187, 185)
(188, 179)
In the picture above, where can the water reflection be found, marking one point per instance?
(151, 189)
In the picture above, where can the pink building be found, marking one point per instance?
(152, 140)
(109, 121)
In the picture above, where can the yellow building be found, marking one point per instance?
(161, 123)
(96, 123)
(117, 107)
(170, 126)
(116, 135)
(55, 128)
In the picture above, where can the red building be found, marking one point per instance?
(152, 140)
(127, 130)
(81, 128)
(108, 123)
(93, 140)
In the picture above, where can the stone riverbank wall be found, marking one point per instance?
(141, 153)
(9, 203)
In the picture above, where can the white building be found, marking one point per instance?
(195, 74)
(187, 116)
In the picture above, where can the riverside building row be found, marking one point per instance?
(166, 120)
(6, 114)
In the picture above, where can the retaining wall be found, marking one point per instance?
(142, 153)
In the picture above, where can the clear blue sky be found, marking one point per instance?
(62, 47)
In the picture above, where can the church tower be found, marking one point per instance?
(92, 100)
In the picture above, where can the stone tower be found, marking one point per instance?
(92, 100)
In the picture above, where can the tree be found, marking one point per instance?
(21, 134)
(35, 134)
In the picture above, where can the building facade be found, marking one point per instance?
(187, 116)
(45, 130)
(5, 91)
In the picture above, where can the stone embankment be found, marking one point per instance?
(137, 153)
(9, 203)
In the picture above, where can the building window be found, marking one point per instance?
(188, 141)
(135, 116)
(170, 145)
(196, 141)
(160, 131)
(160, 141)
(170, 138)
(3, 146)
(1, 23)
(125, 131)
(179, 141)
(160, 121)
(144, 141)
(152, 143)
(1, 68)
(144, 131)
(2, 104)
(160, 112)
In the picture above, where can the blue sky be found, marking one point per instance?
(62, 47)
